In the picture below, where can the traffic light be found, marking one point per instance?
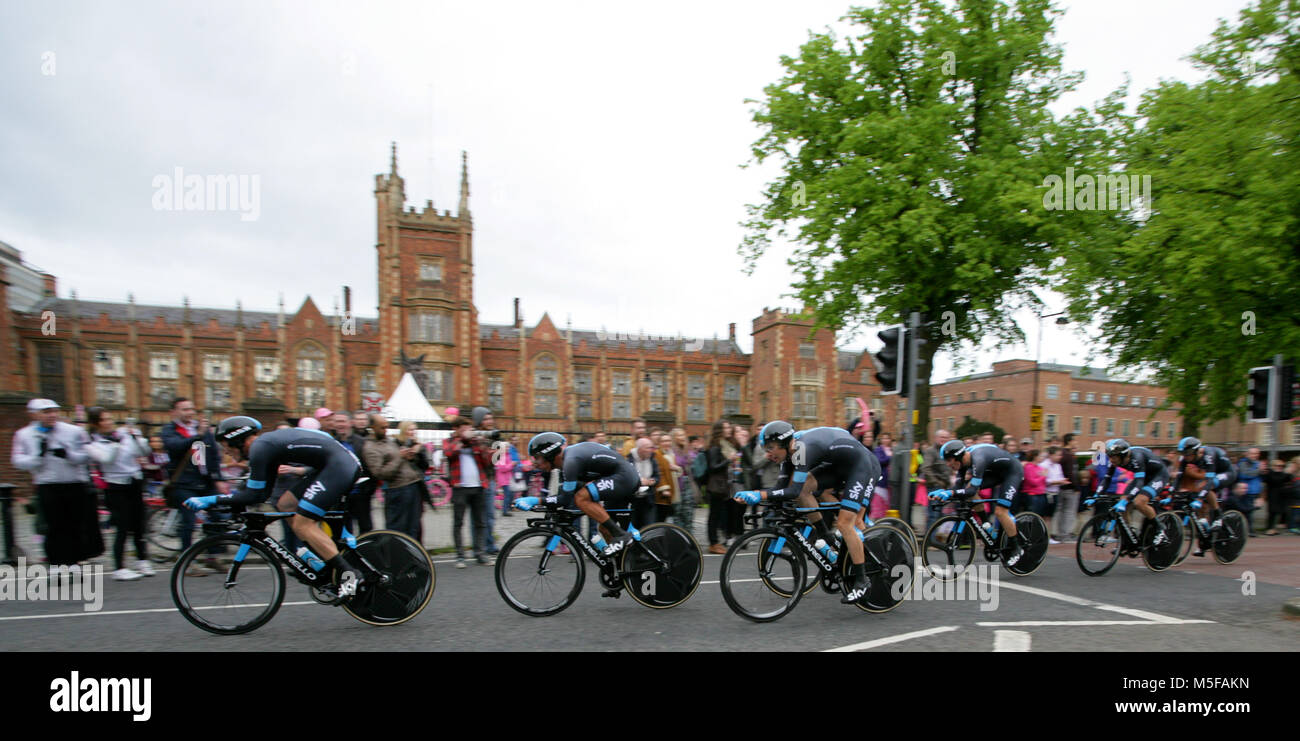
(1288, 390)
(1259, 379)
(889, 361)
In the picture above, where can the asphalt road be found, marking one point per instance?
(1197, 606)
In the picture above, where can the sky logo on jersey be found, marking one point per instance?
(315, 488)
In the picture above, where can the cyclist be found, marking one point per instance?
(333, 470)
(591, 476)
(1220, 475)
(1149, 475)
(833, 459)
(988, 467)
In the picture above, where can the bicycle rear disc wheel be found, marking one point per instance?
(1097, 548)
(411, 579)
(894, 551)
(534, 578)
(745, 576)
(673, 586)
(902, 527)
(237, 600)
(1161, 557)
(949, 548)
(1036, 540)
(1229, 540)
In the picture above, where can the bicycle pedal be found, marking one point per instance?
(614, 593)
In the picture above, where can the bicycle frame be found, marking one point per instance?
(560, 522)
(966, 509)
(254, 530)
(795, 526)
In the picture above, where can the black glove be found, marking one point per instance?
(60, 452)
(45, 444)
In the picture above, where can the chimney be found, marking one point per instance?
(519, 319)
(731, 331)
(50, 284)
(347, 300)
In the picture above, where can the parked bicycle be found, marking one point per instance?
(399, 575)
(950, 542)
(1108, 535)
(535, 576)
(761, 568)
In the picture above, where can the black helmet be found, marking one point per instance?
(952, 450)
(233, 430)
(546, 445)
(1189, 445)
(777, 432)
(1117, 447)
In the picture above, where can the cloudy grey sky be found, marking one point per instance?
(604, 145)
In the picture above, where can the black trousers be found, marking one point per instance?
(126, 504)
(719, 512)
(72, 522)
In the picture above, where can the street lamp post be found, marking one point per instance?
(1038, 356)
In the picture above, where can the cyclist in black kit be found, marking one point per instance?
(334, 469)
(989, 467)
(1220, 475)
(1149, 475)
(833, 459)
(591, 476)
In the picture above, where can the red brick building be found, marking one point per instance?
(134, 359)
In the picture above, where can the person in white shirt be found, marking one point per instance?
(1055, 477)
(55, 453)
(117, 452)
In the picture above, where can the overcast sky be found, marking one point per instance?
(604, 145)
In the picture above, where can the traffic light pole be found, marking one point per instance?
(904, 500)
(1275, 402)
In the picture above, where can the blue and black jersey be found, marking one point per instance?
(993, 468)
(607, 476)
(836, 460)
(334, 469)
(1149, 472)
(1219, 471)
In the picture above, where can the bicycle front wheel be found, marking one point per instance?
(1189, 534)
(535, 576)
(1229, 539)
(408, 579)
(1161, 557)
(1097, 548)
(239, 600)
(949, 548)
(746, 575)
(668, 577)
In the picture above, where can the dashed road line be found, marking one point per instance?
(891, 639)
(1011, 641)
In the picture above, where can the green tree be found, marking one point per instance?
(1208, 285)
(912, 160)
(971, 427)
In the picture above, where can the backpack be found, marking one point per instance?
(700, 467)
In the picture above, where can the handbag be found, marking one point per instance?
(169, 486)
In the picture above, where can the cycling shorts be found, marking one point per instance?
(324, 490)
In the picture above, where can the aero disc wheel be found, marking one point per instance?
(901, 527)
(1036, 539)
(1229, 539)
(410, 579)
(745, 576)
(894, 553)
(237, 600)
(662, 586)
(534, 577)
(1097, 548)
(949, 548)
(1161, 557)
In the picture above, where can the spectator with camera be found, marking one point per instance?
(469, 463)
(391, 460)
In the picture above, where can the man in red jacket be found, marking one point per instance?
(469, 463)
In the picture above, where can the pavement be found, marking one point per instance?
(1198, 605)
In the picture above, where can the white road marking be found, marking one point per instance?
(892, 639)
(135, 612)
(1011, 640)
(1028, 623)
(1131, 612)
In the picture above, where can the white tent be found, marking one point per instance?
(408, 404)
